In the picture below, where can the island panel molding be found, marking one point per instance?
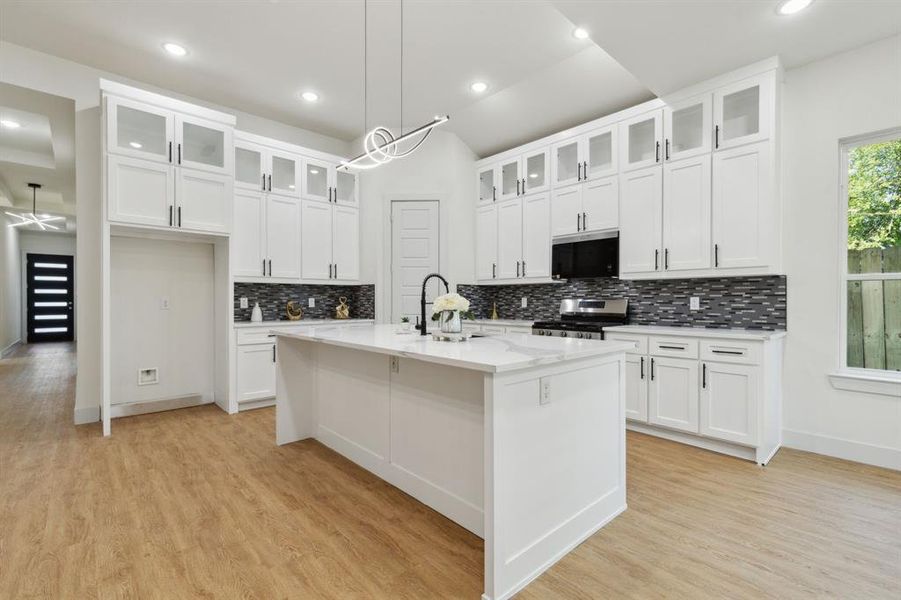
(274, 296)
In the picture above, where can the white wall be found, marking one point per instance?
(10, 286)
(853, 93)
(179, 341)
(35, 242)
(444, 169)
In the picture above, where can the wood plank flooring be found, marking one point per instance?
(198, 504)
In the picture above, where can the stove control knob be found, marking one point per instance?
(579, 335)
(540, 333)
(562, 334)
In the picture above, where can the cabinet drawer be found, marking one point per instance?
(640, 341)
(674, 346)
(731, 351)
(255, 336)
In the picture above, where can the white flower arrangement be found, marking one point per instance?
(450, 302)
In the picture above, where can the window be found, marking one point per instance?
(871, 286)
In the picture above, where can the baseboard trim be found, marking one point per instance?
(252, 404)
(10, 348)
(87, 414)
(878, 456)
(152, 406)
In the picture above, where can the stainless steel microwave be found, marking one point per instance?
(596, 256)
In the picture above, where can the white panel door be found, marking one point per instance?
(414, 254)
(139, 130)
(673, 393)
(686, 214)
(139, 191)
(248, 235)
(640, 141)
(346, 243)
(283, 237)
(316, 240)
(640, 220)
(486, 242)
(742, 197)
(741, 113)
(566, 210)
(536, 236)
(204, 201)
(509, 239)
(730, 402)
(204, 145)
(686, 128)
(256, 372)
(600, 204)
(637, 388)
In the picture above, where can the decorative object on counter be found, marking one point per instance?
(449, 310)
(405, 325)
(445, 336)
(342, 311)
(257, 315)
(494, 316)
(294, 312)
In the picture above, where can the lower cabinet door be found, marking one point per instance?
(256, 372)
(637, 388)
(730, 402)
(673, 393)
(204, 201)
(282, 237)
(139, 191)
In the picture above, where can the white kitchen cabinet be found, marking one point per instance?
(345, 243)
(266, 237)
(641, 217)
(509, 239)
(284, 174)
(729, 402)
(330, 246)
(589, 156)
(673, 393)
(590, 206)
(487, 183)
(515, 176)
(535, 167)
(139, 191)
(686, 214)
(255, 377)
(536, 236)
(346, 187)
(567, 163)
(744, 231)
(317, 180)
(687, 127)
(566, 210)
(742, 111)
(283, 237)
(248, 240)
(203, 145)
(510, 179)
(139, 130)
(636, 388)
(486, 243)
(640, 141)
(250, 166)
(203, 201)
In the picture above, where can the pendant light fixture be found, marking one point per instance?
(379, 144)
(42, 221)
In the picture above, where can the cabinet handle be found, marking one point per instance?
(666, 259)
(179, 216)
(666, 150)
(330, 270)
(270, 267)
(264, 182)
(523, 186)
(493, 193)
(716, 255)
(716, 136)
(170, 152)
(704, 375)
(664, 347)
(270, 182)
(585, 170)
(642, 368)
(652, 369)
(273, 352)
(579, 170)
(494, 270)
(517, 187)
(657, 153)
(732, 352)
(584, 221)
(170, 215)
(656, 259)
(578, 222)
(336, 270)
(264, 267)
(523, 268)
(179, 154)
(517, 268)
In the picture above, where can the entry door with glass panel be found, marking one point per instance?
(50, 297)
(741, 113)
(686, 128)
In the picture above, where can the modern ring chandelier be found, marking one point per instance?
(379, 145)
(33, 218)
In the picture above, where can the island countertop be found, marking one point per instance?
(491, 353)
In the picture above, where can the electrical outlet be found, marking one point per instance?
(311, 302)
(545, 397)
(244, 303)
(164, 303)
(395, 364)
(694, 303)
(525, 302)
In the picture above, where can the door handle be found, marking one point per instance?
(641, 372)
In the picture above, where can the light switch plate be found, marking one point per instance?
(525, 302)
(243, 302)
(311, 302)
(694, 303)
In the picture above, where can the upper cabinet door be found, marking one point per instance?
(284, 174)
(536, 236)
(486, 242)
(204, 145)
(686, 128)
(509, 239)
(640, 220)
(599, 154)
(487, 183)
(346, 243)
(250, 170)
(566, 166)
(248, 235)
(566, 211)
(346, 191)
(283, 237)
(535, 172)
(640, 140)
(741, 113)
(139, 191)
(511, 182)
(139, 130)
(315, 240)
(600, 204)
(686, 214)
(316, 181)
(204, 201)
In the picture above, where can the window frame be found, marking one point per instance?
(847, 377)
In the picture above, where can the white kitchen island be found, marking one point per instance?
(518, 438)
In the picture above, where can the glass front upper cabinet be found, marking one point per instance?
(510, 179)
(138, 130)
(283, 171)
(641, 137)
(249, 168)
(487, 192)
(345, 187)
(740, 113)
(686, 128)
(202, 145)
(535, 171)
(316, 181)
(600, 153)
(567, 167)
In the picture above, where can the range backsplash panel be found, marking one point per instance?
(274, 296)
(743, 302)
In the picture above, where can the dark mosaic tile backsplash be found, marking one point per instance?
(744, 302)
(273, 297)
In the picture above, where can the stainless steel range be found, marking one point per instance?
(585, 319)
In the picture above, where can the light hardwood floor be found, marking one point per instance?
(195, 503)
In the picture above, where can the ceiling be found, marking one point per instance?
(258, 56)
(42, 151)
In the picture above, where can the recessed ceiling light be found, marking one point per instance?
(790, 7)
(174, 49)
(580, 33)
(310, 96)
(136, 144)
(10, 124)
(478, 87)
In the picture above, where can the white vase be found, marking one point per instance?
(256, 315)
(451, 321)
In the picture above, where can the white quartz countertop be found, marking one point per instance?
(705, 332)
(301, 323)
(492, 353)
(501, 322)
